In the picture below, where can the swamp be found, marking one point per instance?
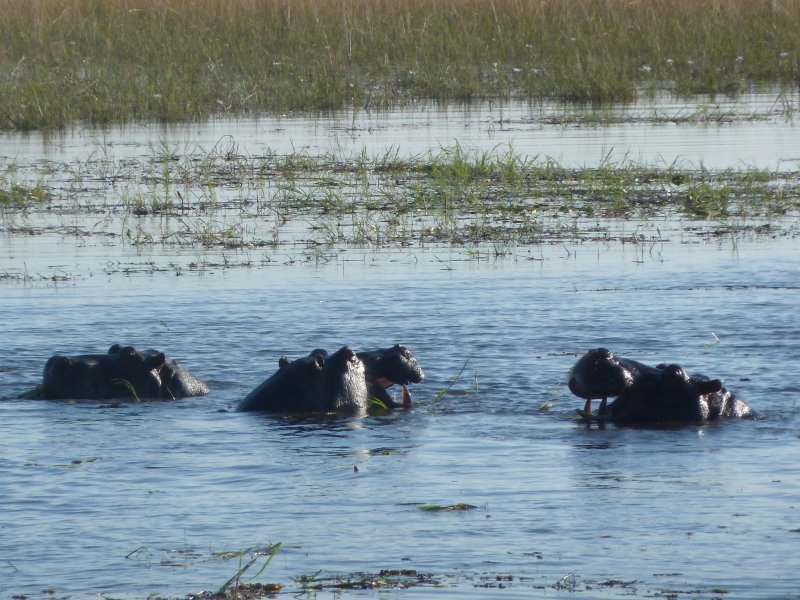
(500, 186)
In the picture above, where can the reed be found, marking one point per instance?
(174, 60)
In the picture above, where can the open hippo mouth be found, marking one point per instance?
(382, 369)
(601, 374)
(391, 366)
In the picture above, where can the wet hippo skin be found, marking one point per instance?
(383, 368)
(123, 372)
(317, 383)
(176, 382)
(650, 395)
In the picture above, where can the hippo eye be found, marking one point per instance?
(128, 352)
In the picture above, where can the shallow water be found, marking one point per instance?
(140, 499)
(159, 488)
(757, 130)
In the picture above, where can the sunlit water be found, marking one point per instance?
(141, 499)
(756, 131)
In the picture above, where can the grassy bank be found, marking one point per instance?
(174, 60)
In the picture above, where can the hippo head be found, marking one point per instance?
(395, 365)
(176, 382)
(345, 382)
(600, 374)
(137, 372)
(387, 367)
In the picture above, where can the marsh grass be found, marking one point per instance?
(176, 60)
(488, 203)
(18, 195)
(267, 553)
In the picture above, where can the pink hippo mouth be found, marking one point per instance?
(386, 383)
(576, 388)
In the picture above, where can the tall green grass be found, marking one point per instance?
(63, 61)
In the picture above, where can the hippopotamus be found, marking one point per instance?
(317, 383)
(650, 395)
(383, 368)
(123, 372)
(176, 382)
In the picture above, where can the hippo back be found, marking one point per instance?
(125, 374)
(298, 386)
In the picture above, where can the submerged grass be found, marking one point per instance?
(177, 60)
(486, 202)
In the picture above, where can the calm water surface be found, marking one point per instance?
(141, 499)
(160, 488)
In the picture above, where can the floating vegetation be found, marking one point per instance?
(447, 508)
(386, 578)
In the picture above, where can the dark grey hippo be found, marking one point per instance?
(650, 395)
(317, 383)
(383, 368)
(126, 373)
(123, 372)
(176, 382)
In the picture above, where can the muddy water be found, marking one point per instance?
(145, 498)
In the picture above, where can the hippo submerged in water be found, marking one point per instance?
(123, 372)
(176, 382)
(650, 395)
(346, 382)
(317, 383)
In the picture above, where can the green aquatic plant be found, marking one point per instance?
(266, 552)
(130, 387)
(16, 194)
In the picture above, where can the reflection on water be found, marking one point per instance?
(756, 130)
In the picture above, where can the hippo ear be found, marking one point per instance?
(283, 362)
(156, 361)
(319, 360)
(114, 349)
(709, 387)
(674, 372)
